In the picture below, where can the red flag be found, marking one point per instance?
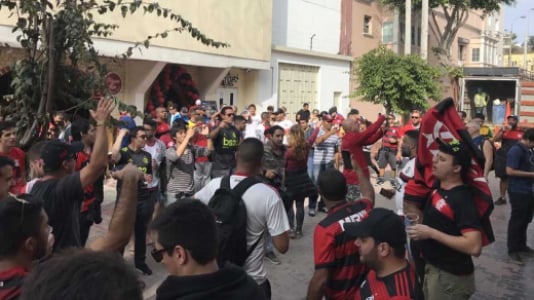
(442, 121)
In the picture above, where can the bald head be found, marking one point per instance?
(350, 125)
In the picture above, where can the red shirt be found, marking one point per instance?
(296, 165)
(401, 285)
(201, 140)
(167, 140)
(392, 133)
(162, 128)
(11, 283)
(338, 253)
(354, 142)
(408, 127)
(89, 192)
(510, 137)
(18, 156)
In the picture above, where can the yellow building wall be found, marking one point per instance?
(244, 24)
(517, 60)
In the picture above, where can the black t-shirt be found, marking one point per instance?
(304, 114)
(143, 161)
(225, 146)
(451, 212)
(400, 285)
(62, 198)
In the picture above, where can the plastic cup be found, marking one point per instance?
(411, 219)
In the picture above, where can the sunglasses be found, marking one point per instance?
(157, 255)
(414, 117)
(230, 115)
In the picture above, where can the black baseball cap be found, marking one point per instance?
(381, 224)
(55, 152)
(513, 117)
(457, 149)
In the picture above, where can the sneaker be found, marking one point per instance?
(380, 182)
(500, 201)
(516, 258)
(323, 209)
(143, 267)
(299, 234)
(272, 258)
(312, 212)
(292, 234)
(393, 183)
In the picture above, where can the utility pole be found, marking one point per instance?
(408, 28)
(424, 30)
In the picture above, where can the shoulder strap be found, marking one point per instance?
(249, 251)
(225, 182)
(244, 185)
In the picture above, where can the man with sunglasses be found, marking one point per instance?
(185, 238)
(61, 188)
(135, 154)
(225, 139)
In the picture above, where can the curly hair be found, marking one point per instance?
(297, 143)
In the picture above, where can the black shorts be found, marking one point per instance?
(387, 156)
(500, 166)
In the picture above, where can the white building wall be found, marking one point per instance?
(333, 77)
(296, 21)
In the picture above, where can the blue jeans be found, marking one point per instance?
(269, 247)
(310, 164)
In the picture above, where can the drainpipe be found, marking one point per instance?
(311, 41)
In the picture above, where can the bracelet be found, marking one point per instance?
(100, 124)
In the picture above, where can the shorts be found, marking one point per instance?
(387, 156)
(500, 166)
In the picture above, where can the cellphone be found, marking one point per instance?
(347, 161)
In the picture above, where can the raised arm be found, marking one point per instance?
(116, 148)
(99, 158)
(123, 219)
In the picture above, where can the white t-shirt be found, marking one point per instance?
(265, 210)
(250, 130)
(286, 124)
(407, 173)
(157, 151)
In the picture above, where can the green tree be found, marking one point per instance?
(400, 83)
(456, 13)
(61, 69)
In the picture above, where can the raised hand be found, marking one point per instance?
(103, 110)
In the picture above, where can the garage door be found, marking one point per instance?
(297, 84)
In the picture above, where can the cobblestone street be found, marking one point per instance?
(496, 276)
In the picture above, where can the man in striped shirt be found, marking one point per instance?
(381, 238)
(338, 271)
(325, 143)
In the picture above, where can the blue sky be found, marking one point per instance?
(512, 18)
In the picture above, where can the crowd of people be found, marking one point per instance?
(213, 195)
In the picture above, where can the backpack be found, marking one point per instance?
(231, 220)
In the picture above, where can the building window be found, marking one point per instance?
(475, 54)
(461, 52)
(387, 32)
(367, 24)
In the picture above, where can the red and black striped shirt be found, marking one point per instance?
(400, 285)
(337, 252)
(11, 283)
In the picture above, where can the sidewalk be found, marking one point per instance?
(496, 276)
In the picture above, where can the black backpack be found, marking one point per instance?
(231, 221)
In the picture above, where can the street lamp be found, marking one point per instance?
(525, 46)
(511, 40)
